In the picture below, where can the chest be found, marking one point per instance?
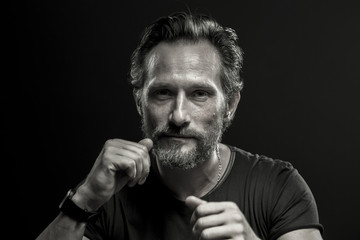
(158, 219)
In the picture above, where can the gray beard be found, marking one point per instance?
(171, 156)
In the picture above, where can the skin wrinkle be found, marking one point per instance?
(183, 114)
(192, 62)
(181, 73)
(152, 59)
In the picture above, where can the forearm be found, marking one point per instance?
(67, 225)
(63, 227)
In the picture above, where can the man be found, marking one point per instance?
(180, 182)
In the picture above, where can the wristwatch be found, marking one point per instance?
(69, 208)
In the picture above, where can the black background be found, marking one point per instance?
(68, 93)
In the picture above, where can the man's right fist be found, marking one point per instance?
(120, 162)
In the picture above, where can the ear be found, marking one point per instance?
(137, 98)
(231, 106)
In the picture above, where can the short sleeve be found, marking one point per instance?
(110, 223)
(94, 230)
(292, 203)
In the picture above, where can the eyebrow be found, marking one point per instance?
(172, 84)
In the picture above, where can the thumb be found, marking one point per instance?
(192, 202)
(147, 142)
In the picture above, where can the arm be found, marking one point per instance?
(120, 163)
(218, 220)
(225, 220)
(63, 227)
(302, 234)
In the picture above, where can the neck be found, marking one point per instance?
(196, 181)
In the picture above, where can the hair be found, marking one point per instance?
(190, 27)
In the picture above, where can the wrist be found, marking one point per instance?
(71, 209)
(85, 199)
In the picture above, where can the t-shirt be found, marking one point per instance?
(272, 195)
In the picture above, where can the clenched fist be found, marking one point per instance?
(120, 162)
(218, 220)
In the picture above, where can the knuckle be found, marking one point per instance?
(143, 148)
(140, 155)
(197, 213)
(205, 234)
(137, 156)
(144, 154)
(200, 210)
(232, 205)
(237, 217)
(107, 155)
(239, 229)
(199, 223)
(109, 142)
(147, 171)
(132, 165)
(108, 148)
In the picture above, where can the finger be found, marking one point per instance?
(208, 221)
(227, 217)
(223, 232)
(114, 157)
(147, 142)
(143, 166)
(129, 152)
(214, 208)
(136, 147)
(120, 163)
(193, 202)
(137, 151)
(138, 172)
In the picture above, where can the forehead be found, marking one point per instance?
(184, 60)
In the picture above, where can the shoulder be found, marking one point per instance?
(271, 179)
(256, 163)
(280, 190)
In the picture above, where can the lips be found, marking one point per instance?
(177, 136)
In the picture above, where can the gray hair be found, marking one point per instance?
(190, 27)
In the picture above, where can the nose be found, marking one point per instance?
(180, 114)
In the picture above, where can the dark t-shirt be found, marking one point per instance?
(272, 195)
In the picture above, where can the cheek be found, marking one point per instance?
(207, 118)
(155, 116)
(214, 110)
(216, 117)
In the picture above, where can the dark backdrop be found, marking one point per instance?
(68, 93)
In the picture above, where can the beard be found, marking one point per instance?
(169, 153)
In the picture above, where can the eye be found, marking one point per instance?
(162, 94)
(200, 95)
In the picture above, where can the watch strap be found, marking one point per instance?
(69, 208)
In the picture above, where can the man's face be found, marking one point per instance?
(183, 103)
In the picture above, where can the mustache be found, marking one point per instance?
(171, 130)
